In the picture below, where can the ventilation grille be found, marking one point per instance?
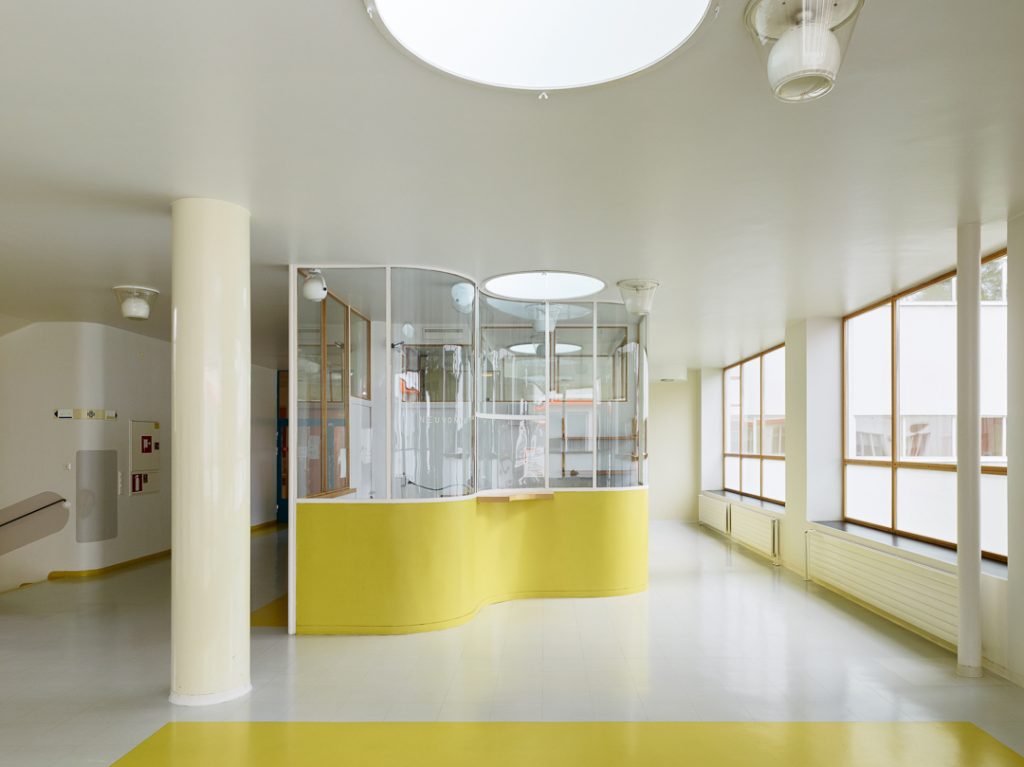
(918, 595)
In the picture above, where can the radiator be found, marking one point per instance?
(918, 595)
(755, 530)
(713, 513)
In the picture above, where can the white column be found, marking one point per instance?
(814, 467)
(210, 452)
(968, 447)
(1015, 445)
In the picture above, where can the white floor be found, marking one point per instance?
(720, 635)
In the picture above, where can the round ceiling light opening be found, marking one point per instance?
(543, 286)
(539, 45)
(537, 348)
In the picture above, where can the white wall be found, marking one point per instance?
(674, 445)
(45, 366)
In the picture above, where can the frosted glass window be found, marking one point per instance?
(869, 494)
(927, 375)
(751, 436)
(732, 409)
(774, 481)
(732, 474)
(751, 479)
(869, 384)
(774, 433)
(926, 503)
(993, 514)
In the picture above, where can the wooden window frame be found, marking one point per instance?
(346, 489)
(894, 461)
(760, 456)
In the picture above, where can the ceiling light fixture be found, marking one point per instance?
(539, 45)
(135, 300)
(638, 295)
(535, 348)
(315, 286)
(543, 286)
(463, 294)
(802, 43)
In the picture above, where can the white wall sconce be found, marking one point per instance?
(463, 296)
(638, 295)
(135, 301)
(314, 288)
(802, 43)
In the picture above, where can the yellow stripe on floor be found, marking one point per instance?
(557, 744)
(273, 614)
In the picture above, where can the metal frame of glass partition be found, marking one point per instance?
(613, 444)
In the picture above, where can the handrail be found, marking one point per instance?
(30, 505)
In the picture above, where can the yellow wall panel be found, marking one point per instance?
(393, 568)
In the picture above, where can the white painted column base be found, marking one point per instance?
(211, 699)
(972, 672)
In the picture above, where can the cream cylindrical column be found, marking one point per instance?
(968, 447)
(1015, 444)
(210, 424)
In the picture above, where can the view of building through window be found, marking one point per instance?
(900, 377)
(754, 413)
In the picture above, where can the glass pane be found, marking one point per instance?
(993, 378)
(309, 477)
(336, 401)
(869, 494)
(732, 474)
(513, 400)
(774, 435)
(927, 378)
(571, 427)
(751, 387)
(432, 387)
(775, 481)
(732, 409)
(993, 514)
(360, 334)
(926, 503)
(940, 292)
(869, 384)
(620, 421)
(993, 280)
(611, 374)
(751, 479)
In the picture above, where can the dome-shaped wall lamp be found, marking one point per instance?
(135, 300)
(638, 295)
(314, 287)
(802, 43)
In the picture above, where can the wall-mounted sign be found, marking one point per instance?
(84, 414)
(145, 457)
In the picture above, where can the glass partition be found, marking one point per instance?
(432, 358)
(511, 416)
(621, 387)
(481, 393)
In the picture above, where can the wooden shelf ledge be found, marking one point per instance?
(525, 495)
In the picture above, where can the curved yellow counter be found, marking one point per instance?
(403, 567)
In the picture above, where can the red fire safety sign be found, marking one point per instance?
(147, 443)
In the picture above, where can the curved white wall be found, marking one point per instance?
(48, 365)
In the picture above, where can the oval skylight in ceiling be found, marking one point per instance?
(543, 286)
(540, 44)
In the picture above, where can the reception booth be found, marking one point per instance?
(448, 449)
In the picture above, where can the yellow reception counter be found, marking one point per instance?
(400, 567)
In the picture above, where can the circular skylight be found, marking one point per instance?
(543, 286)
(540, 44)
(535, 348)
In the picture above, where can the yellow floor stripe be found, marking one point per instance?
(274, 614)
(594, 744)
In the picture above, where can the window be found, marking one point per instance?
(754, 426)
(899, 377)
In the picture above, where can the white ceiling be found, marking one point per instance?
(751, 213)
